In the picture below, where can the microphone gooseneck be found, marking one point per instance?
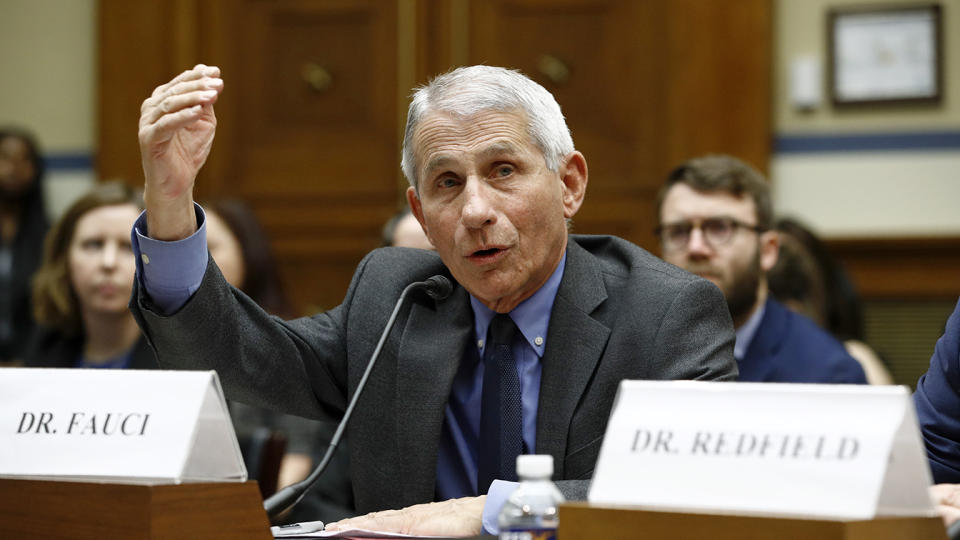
(437, 287)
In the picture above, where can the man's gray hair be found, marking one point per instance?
(466, 91)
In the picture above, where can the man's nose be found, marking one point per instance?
(478, 209)
(697, 246)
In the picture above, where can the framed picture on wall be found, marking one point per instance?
(885, 55)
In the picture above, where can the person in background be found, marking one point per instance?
(23, 225)
(715, 218)
(800, 281)
(937, 401)
(843, 315)
(403, 230)
(81, 290)
(796, 282)
(241, 249)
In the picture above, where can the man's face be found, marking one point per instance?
(490, 206)
(736, 265)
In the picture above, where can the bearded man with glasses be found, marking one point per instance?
(715, 221)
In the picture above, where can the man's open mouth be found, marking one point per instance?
(486, 252)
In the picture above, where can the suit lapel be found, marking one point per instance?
(766, 343)
(431, 349)
(575, 342)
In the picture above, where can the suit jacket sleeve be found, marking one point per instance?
(295, 366)
(695, 338)
(938, 404)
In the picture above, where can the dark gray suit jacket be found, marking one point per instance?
(620, 313)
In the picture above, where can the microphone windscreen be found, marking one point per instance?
(439, 287)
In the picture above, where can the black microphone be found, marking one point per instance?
(437, 287)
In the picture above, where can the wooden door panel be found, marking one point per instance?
(313, 141)
(719, 77)
(311, 118)
(336, 139)
(581, 52)
(644, 86)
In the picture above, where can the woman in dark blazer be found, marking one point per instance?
(81, 289)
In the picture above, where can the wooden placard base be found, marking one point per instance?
(582, 521)
(31, 509)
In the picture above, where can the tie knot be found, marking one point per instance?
(502, 329)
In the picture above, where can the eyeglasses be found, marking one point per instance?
(716, 231)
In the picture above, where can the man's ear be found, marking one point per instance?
(573, 175)
(769, 250)
(417, 209)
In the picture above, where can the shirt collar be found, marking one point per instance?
(532, 316)
(746, 332)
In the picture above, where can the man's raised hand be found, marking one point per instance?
(177, 125)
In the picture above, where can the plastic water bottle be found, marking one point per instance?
(531, 511)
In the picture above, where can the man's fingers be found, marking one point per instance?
(176, 103)
(185, 87)
(163, 129)
(947, 499)
(948, 494)
(385, 521)
(455, 517)
(198, 71)
(950, 514)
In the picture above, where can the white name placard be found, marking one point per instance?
(126, 425)
(801, 450)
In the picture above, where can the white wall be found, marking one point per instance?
(889, 193)
(48, 73)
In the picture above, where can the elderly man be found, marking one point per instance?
(715, 218)
(494, 177)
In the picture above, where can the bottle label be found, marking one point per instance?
(529, 534)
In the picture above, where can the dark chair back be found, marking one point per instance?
(263, 452)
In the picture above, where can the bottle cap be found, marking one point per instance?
(535, 466)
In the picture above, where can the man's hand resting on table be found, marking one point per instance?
(454, 517)
(947, 499)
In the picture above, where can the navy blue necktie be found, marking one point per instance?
(501, 423)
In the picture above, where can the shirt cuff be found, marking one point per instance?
(170, 272)
(498, 494)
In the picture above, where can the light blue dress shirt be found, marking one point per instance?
(170, 272)
(746, 332)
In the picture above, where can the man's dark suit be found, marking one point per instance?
(938, 404)
(789, 347)
(619, 313)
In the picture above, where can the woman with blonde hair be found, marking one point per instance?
(81, 290)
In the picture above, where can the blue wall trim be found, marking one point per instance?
(783, 144)
(862, 142)
(68, 162)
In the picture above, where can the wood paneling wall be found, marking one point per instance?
(311, 118)
(898, 268)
